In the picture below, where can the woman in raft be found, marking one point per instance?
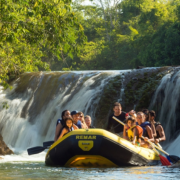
(68, 127)
(132, 132)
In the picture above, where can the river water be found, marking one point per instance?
(23, 167)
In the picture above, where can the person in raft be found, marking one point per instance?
(68, 127)
(61, 122)
(132, 132)
(81, 118)
(146, 113)
(159, 131)
(88, 121)
(147, 131)
(76, 121)
(113, 124)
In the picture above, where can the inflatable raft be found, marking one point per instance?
(97, 148)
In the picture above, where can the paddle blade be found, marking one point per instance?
(47, 143)
(164, 161)
(168, 158)
(35, 150)
(174, 159)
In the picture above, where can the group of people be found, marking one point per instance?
(71, 121)
(136, 125)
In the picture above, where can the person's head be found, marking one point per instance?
(130, 121)
(134, 116)
(117, 109)
(68, 122)
(65, 114)
(140, 118)
(132, 112)
(81, 117)
(88, 120)
(75, 116)
(146, 113)
(152, 115)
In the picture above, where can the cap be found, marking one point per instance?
(74, 112)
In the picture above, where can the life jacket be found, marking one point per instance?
(131, 133)
(62, 123)
(143, 125)
(79, 125)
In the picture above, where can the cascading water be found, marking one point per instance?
(37, 100)
(166, 102)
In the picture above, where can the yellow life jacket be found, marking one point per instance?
(131, 134)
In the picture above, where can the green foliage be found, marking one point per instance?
(129, 33)
(43, 35)
(32, 30)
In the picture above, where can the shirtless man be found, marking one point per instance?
(160, 135)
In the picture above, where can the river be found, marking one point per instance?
(23, 167)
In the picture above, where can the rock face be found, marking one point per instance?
(4, 150)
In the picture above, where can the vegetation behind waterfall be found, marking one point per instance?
(87, 35)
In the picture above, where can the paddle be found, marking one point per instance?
(163, 160)
(35, 150)
(47, 143)
(38, 149)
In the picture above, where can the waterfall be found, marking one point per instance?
(37, 100)
(166, 102)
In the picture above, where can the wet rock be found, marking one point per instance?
(4, 149)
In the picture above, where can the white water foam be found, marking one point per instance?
(20, 133)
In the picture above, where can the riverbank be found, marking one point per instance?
(4, 149)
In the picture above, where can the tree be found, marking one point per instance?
(33, 29)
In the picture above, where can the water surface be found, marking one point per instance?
(24, 167)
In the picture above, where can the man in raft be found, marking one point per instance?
(76, 121)
(119, 114)
(159, 131)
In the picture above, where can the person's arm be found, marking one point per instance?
(161, 133)
(64, 131)
(150, 134)
(83, 126)
(153, 129)
(58, 128)
(135, 132)
(75, 127)
(125, 136)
